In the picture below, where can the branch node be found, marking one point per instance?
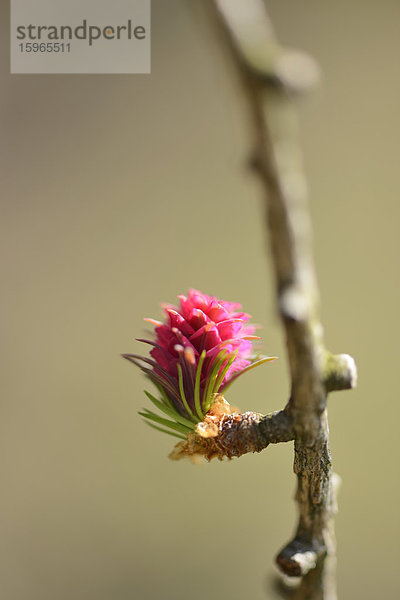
(340, 372)
(293, 303)
(296, 71)
(297, 558)
(254, 42)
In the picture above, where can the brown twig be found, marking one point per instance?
(226, 432)
(271, 77)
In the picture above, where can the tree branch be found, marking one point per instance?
(271, 76)
(232, 435)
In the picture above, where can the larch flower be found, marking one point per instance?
(199, 350)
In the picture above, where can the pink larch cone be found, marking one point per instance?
(200, 349)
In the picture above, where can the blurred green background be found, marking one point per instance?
(119, 192)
